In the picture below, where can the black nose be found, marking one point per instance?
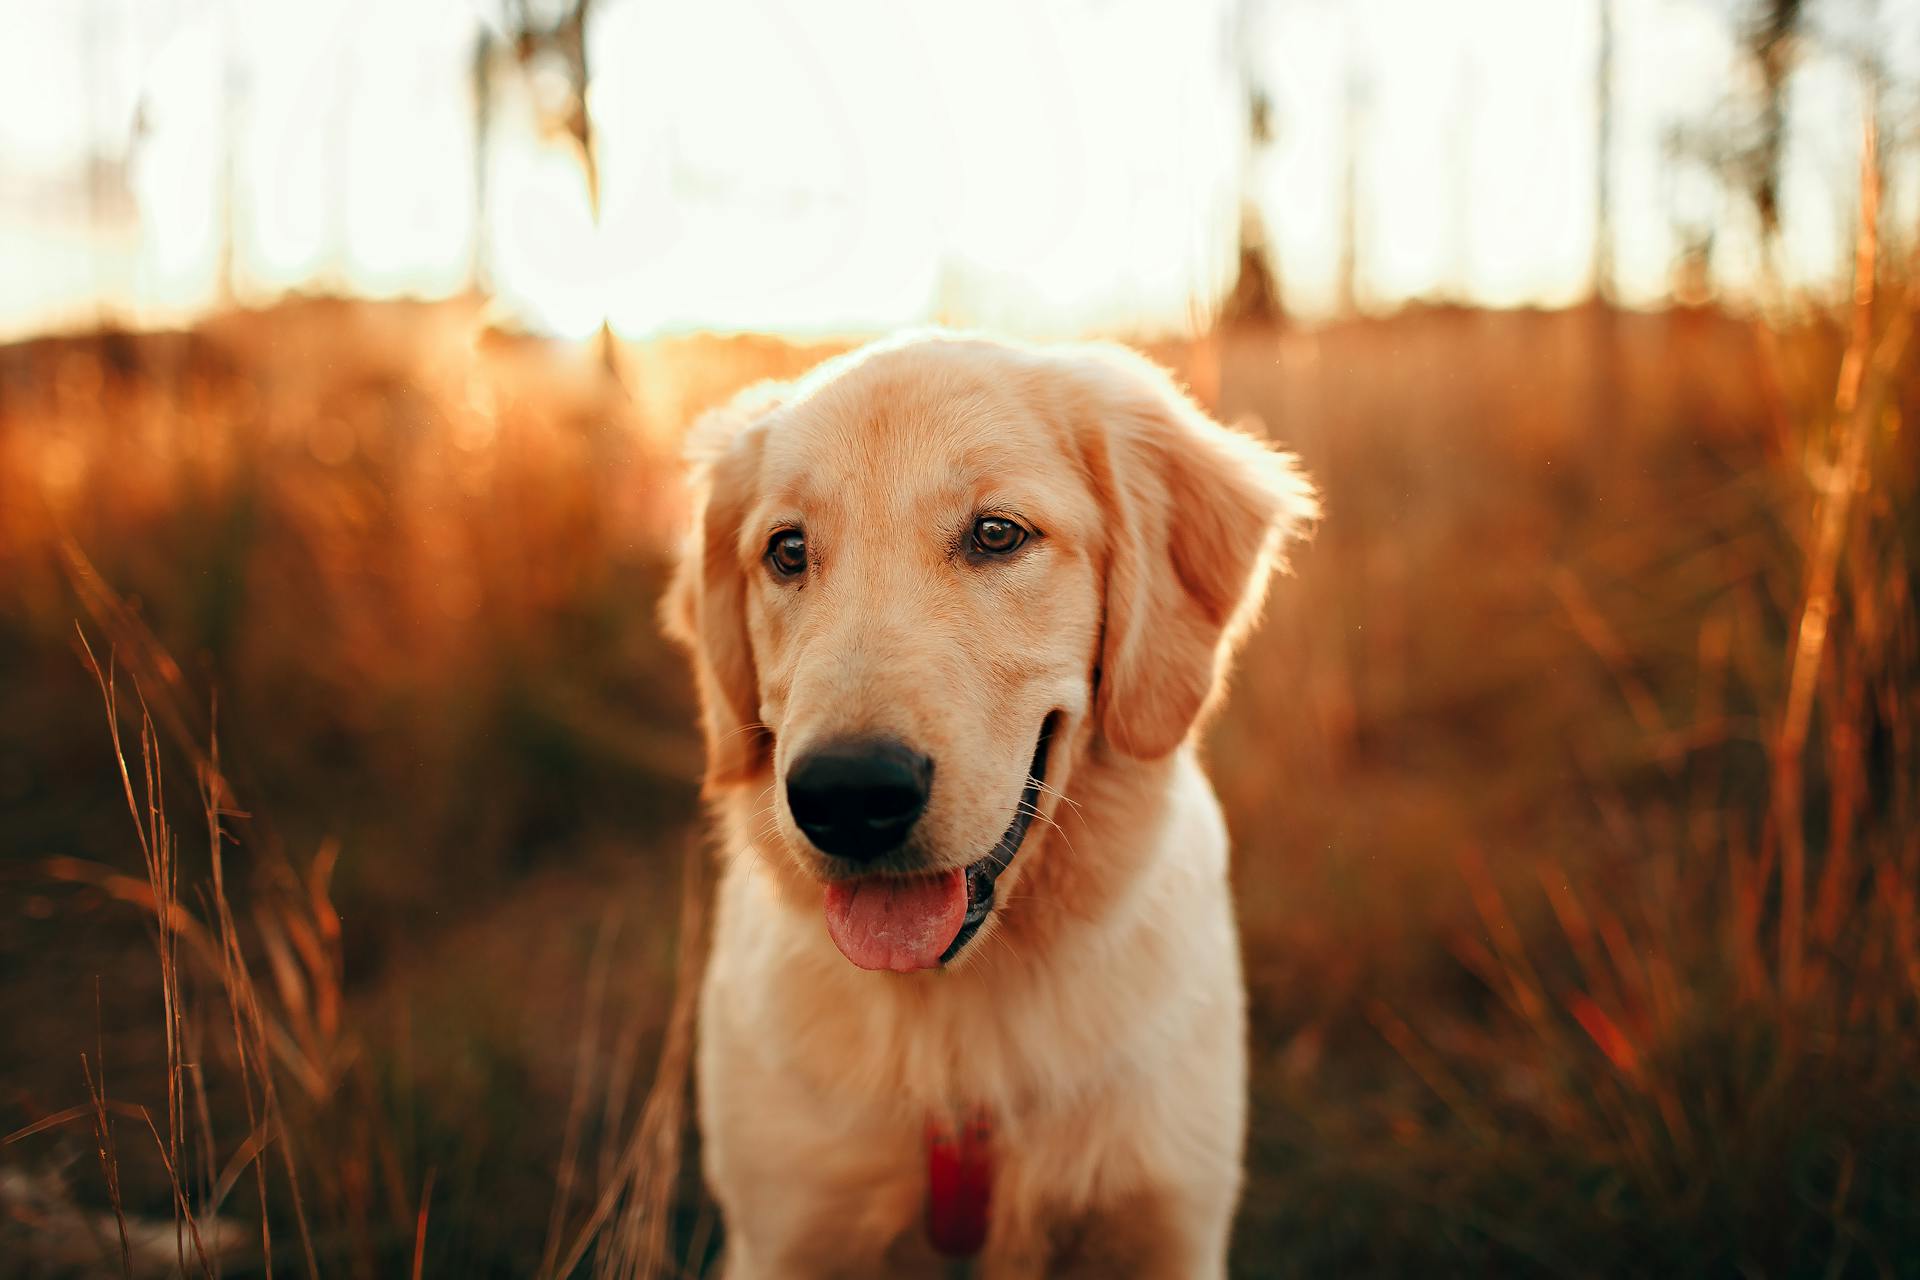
(859, 799)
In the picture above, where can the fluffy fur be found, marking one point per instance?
(1100, 1014)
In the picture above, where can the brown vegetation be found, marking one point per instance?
(1572, 781)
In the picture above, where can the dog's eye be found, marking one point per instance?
(787, 553)
(995, 536)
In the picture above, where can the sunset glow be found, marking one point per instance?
(869, 163)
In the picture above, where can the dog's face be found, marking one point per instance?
(927, 582)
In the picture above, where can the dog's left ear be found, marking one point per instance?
(704, 608)
(1198, 517)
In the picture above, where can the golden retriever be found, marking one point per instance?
(955, 608)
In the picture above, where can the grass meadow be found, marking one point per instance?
(351, 867)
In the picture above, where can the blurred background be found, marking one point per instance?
(351, 869)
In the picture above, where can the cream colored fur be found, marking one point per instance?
(1099, 1016)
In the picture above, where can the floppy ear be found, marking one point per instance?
(705, 606)
(1198, 517)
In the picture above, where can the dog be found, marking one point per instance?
(955, 609)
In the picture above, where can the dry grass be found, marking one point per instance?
(1540, 982)
(300, 1039)
(1703, 1056)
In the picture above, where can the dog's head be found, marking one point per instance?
(927, 581)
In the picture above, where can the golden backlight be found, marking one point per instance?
(863, 164)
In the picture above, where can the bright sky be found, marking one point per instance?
(855, 164)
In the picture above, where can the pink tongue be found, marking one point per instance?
(884, 922)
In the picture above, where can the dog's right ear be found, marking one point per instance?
(1199, 516)
(705, 606)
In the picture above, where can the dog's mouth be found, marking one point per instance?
(905, 923)
(982, 874)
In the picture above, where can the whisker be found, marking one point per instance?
(1059, 795)
(1035, 813)
(749, 727)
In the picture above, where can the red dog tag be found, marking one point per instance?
(959, 1184)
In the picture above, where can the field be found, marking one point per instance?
(1571, 776)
